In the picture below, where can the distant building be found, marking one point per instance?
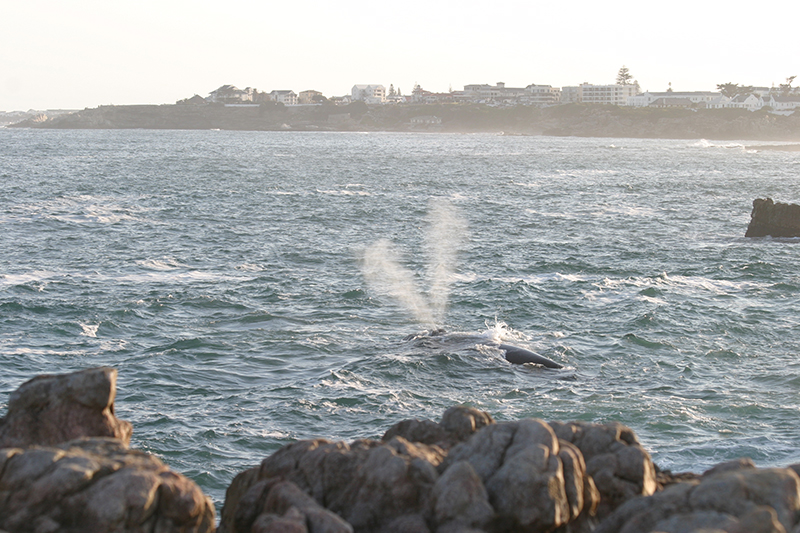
(614, 94)
(309, 97)
(751, 102)
(687, 99)
(487, 93)
(229, 94)
(571, 94)
(541, 95)
(284, 97)
(782, 104)
(427, 120)
(369, 94)
(421, 96)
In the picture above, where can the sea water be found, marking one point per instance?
(255, 288)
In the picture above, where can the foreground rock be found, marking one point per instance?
(732, 497)
(465, 473)
(775, 219)
(96, 485)
(51, 409)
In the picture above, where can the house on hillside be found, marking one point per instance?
(682, 99)
(284, 97)
(369, 94)
(230, 94)
(426, 120)
(310, 97)
(750, 102)
(783, 104)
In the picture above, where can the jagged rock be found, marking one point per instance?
(459, 498)
(457, 425)
(96, 485)
(619, 466)
(533, 483)
(51, 409)
(368, 483)
(775, 219)
(733, 497)
(466, 473)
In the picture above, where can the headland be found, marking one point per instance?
(580, 119)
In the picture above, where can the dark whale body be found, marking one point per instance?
(514, 354)
(520, 356)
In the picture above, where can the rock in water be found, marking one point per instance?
(734, 497)
(51, 409)
(97, 485)
(776, 220)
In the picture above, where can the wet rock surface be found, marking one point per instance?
(773, 219)
(50, 409)
(465, 473)
(98, 485)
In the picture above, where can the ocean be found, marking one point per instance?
(255, 288)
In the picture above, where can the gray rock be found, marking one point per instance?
(459, 496)
(51, 409)
(97, 485)
(733, 497)
(775, 219)
(457, 425)
(620, 468)
(530, 486)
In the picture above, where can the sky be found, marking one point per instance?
(73, 54)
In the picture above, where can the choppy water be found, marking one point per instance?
(225, 275)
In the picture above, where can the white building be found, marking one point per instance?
(481, 92)
(542, 95)
(370, 94)
(647, 98)
(750, 102)
(571, 94)
(607, 94)
(782, 104)
(284, 97)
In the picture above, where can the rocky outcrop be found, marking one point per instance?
(464, 473)
(774, 219)
(51, 409)
(96, 485)
(732, 497)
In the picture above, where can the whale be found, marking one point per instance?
(521, 356)
(439, 338)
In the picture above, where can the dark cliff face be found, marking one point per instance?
(583, 120)
(774, 219)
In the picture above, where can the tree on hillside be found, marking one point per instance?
(391, 90)
(732, 90)
(786, 88)
(624, 77)
(729, 89)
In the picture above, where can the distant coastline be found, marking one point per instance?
(587, 120)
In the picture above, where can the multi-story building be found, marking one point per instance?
(607, 94)
(370, 94)
(571, 94)
(308, 97)
(483, 92)
(284, 97)
(541, 95)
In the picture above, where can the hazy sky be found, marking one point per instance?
(85, 53)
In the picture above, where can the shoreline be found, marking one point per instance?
(571, 120)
